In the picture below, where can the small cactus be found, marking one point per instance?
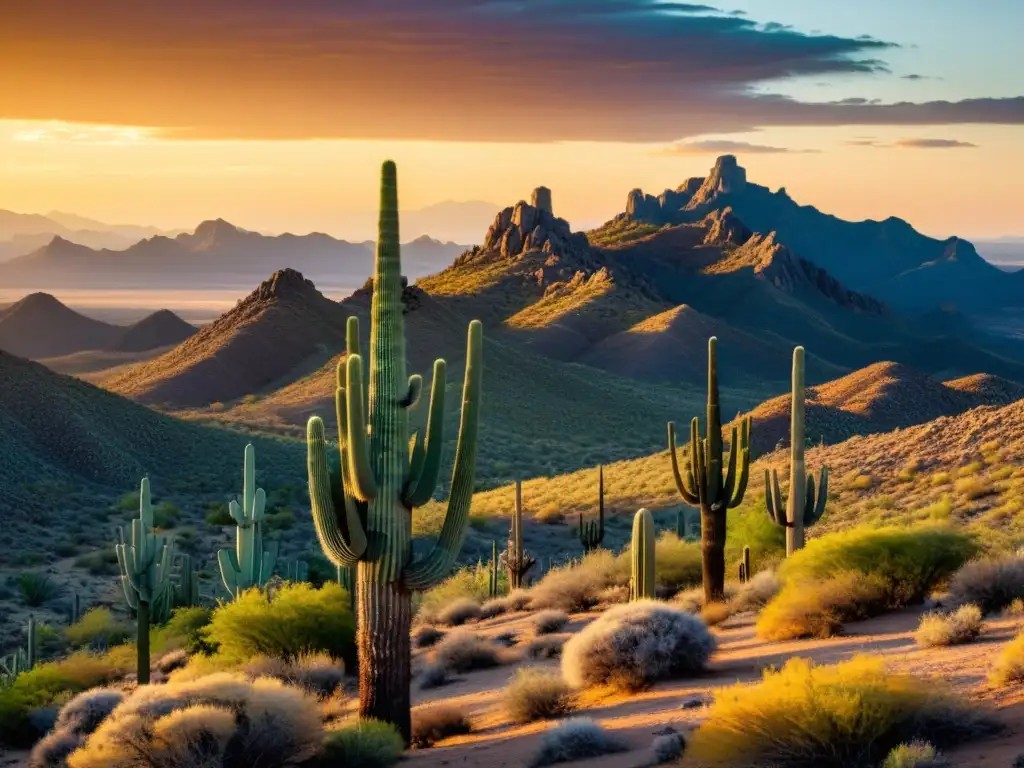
(145, 561)
(33, 645)
(492, 572)
(592, 533)
(641, 585)
(806, 504)
(745, 573)
(251, 563)
(516, 560)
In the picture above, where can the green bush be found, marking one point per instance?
(278, 520)
(820, 608)
(217, 513)
(851, 714)
(297, 619)
(166, 515)
(36, 588)
(910, 562)
(749, 526)
(188, 624)
(467, 583)
(363, 744)
(97, 630)
(677, 562)
(102, 562)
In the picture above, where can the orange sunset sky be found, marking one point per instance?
(276, 115)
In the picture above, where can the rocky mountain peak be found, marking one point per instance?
(531, 227)
(284, 284)
(725, 228)
(541, 199)
(727, 177)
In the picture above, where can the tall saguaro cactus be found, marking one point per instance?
(708, 483)
(592, 532)
(515, 559)
(641, 585)
(384, 475)
(145, 563)
(251, 563)
(806, 504)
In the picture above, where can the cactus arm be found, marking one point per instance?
(744, 465)
(340, 551)
(773, 498)
(730, 475)
(357, 444)
(229, 570)
(269, 561)
(816, 504)
(436, 566)
(412, 398)
(700, 450)
(420, 486)
(416, 456)
(684, 487)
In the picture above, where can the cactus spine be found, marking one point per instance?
(384, 475)
(251, 563)
(492, 572)
(641, 585)
(806, 504)
(706, 485)
(592, 533)
(145, 562)
(516, 560)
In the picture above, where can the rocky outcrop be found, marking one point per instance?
(726, 178)
(541, 199)
(524, 227)
(412, 297)
(724, 228)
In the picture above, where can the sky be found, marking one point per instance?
(276, 116)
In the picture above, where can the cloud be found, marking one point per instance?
(491, 70)
(722, 146)
(933, 144)
(912, 143)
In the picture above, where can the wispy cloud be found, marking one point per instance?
(720, 146)
(57, 132)
(488, 70)
(912, 143)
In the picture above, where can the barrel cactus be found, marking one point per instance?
(145, 562)
(806, 502)
(363, 515)
(251, 563)
(592, 532)
(641, 585)
(708, 483)
(515, 559)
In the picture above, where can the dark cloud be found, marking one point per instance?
(525, 70)
(934, 144)
(723, 146)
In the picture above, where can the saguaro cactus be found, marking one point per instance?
(592, 533)
(745, 566)
(493, 571)
(252, 561)
(516, 560)
(384, 475)
(806, 504)
(144, 561)
(705, 483)
(347, 581)
(641, 585)
(33, 644)
(182, 589)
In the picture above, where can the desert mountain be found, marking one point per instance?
(887, 259)
(217, 253)
(81, 438)
(40, 326)
(22, 233)
(282, 325)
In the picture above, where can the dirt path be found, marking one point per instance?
(741, 658)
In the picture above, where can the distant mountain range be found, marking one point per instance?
(1005, 252)
(217, 254)
(22, 233)
(40, 326)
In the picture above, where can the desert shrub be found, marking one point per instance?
(459, 612)
(53, 749)
(692, 600)
(1015, 608)
(362, 744)
(36, 588)
(577, 588)
(666, 748)
(615, 595)
(468, 583)
(548, 622)
(909, 562)
(715, 613)
(102, 562)
(535, 695)
(850, 714)
(316, 673)
(463, 651)
(960, 626)
(434, 723)
(577, 739)
(756, 592)
(44, 683)
(217, 513)
(426, 637)
(677, 562)
(990, 584)
(222, 720)
(171, 661)
(633, 645)
(297, 619)
(79, 717)
(820, 608)
(1009, 667)
(433, 676)
(187, 624)
(166, 514)
(97, 630)
(516, 600)
(916, 754)
(545, 647)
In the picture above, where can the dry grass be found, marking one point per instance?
(819, 609)
(436, 723)
(463, 651)
(991, 584)
(1009, 667)
(535, 695)
(961, 626)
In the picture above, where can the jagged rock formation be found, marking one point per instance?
(525, 227)
(412, 297)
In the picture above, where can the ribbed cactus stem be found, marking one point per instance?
(362, 513)
(711, 483)
(30, 657)
(516, 560)
(252, 562)
(642, 556)
(806, 503)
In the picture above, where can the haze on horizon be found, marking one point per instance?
(276, 118)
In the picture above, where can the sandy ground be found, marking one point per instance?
(741, 658)
(636, 719)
